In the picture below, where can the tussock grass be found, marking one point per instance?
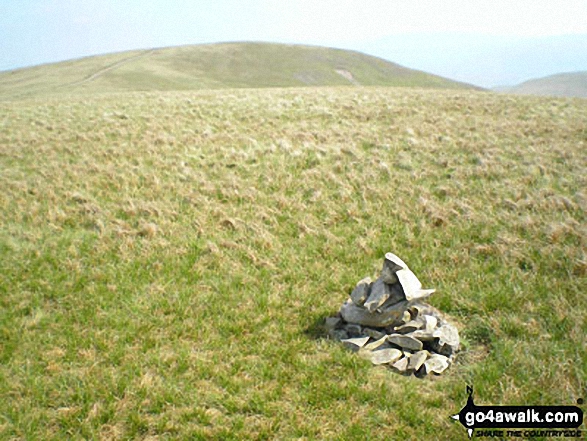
(166, 259)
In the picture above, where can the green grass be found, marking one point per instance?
(166, 259)
(213, 66)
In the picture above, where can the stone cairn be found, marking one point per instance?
(388, 323)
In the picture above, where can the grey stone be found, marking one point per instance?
(396, 296)
(361, 291)
(387, 317)
(411, 326)
(373, 333)
(422, 335)
(337, 334)
(332, 323)
(391, 265)
(376, 344)
(405, 341)
(417, 309)
(402, 364)
(355, 343)
(353, 330)
(417, 360)
(384, 356)
(436, 364)
(380, 292)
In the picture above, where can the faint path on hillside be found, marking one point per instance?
(108, 68)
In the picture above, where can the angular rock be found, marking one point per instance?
(389, 316)
(411, 285)
(436, 364)
(391, 265)
(385, 356)
(361, 291)
(355, 343)
(411, 326)
(405, 341)
(448, 335)
(417, 309)
(380, 292)
(417, 360)
(376, 344)
(402, 364)
(423, 335)
(397, 295)
(446, 340)
(373, 333)
(430, 322)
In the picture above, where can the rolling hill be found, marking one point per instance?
(214, 66)
(571, 84)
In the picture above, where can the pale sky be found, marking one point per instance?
(40, 31)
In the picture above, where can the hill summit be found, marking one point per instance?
(568, 84)
(214, 66)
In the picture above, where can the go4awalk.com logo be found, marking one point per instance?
(545, 421)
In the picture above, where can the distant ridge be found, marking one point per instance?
(214, 66)
(570, 84)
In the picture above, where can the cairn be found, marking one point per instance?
(388, 323)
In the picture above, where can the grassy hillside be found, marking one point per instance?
(167, 259)
(572, 84)
(215, 66)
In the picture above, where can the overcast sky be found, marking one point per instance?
(40, 31)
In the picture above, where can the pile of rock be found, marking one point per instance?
(387, 322)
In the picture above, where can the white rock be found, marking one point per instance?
(355, 343)
(384, 356)
(418, 359)
(436, 363)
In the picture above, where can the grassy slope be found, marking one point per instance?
(225, 65)
(166, 259)
(573, 84)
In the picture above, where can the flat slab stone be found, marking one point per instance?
(411, 326)
(417, 360)
(384, 356)
(436, 364)
(412, 286)
(391, 265)
(422, 335)
(405, 341)
(355, 343)
(373, 333)
(376, 344)
(361, 291)
(389, 316)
